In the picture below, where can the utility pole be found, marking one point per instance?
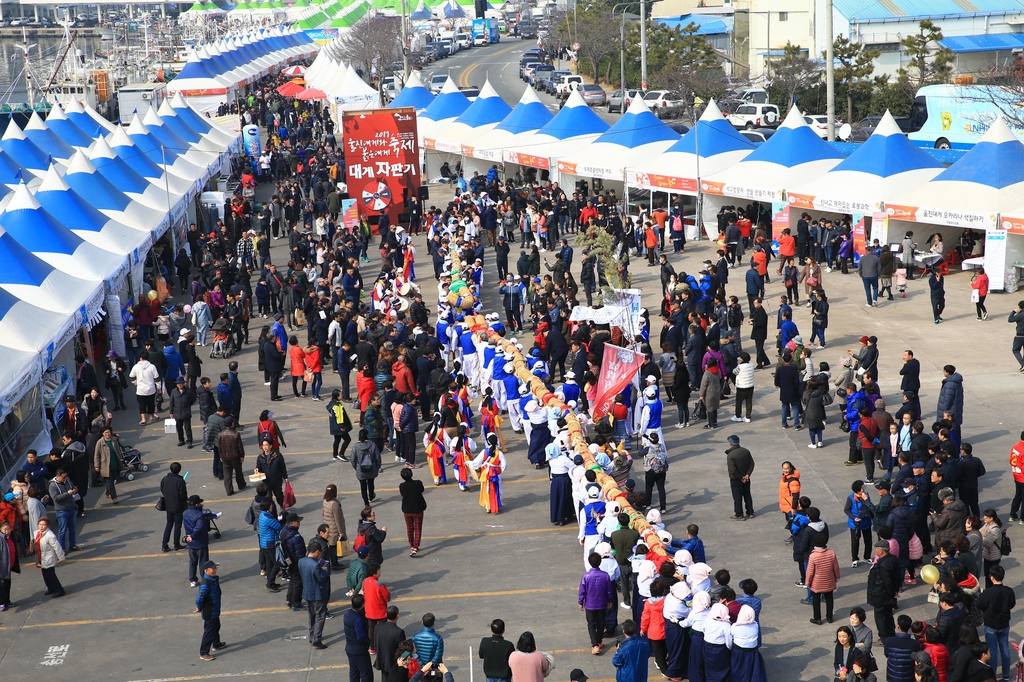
(405, 44)
(830, 76)
(622, 62)
(643, 46)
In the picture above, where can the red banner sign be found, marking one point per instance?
(618, 367)
(381, 159)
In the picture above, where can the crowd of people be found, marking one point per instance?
(441, 378)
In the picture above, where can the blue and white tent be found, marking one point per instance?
(713, 139)
(23, 150)
(26, 328)
(166, 136)
(131, 154)
(886, 166)
(794, 155)
(446, 107)
(486, 112)
(109, 200)
(79, 215)
(452, 10)
(67, 130)
(986, 181)
(571, 129)
(205, 126)
(47, 140)
(414, 94)
(161, 154)
(122, 176)
(638, 134)
(528, 116)
(421, 13)
(210, 141)
(87, 119)
(44, 235)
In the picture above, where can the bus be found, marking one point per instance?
(957, 116)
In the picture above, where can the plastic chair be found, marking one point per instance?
(952, 258)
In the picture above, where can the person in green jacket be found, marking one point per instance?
(357, 571)
(880, 509)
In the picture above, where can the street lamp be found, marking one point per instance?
(622, 49)
(643, 41)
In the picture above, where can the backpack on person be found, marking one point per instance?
(1004, 545)
(658, 462)
(366, 462)
(281, 556)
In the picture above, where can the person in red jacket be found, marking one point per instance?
(1017, 469)
(404, 382)
(587, 213)
(377, 597)
(937, 651)
(652, 624)
(979, 283)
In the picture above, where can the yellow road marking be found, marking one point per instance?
(268, 609)
(523, 531)
(463, 81)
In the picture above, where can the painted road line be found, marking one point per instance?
(161, 555)
(278, 609)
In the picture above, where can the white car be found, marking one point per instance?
(437, 82)
(464, 41)
(664, 103)
(479, 40)
(819, 124)
(754, 116)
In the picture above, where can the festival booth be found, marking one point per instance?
(47, 140)
(123, 176)
(446, 144)
(161, 154)
(414, 94)
(637, 135)
(349, 92)
(885, 166)
(709, 147)
(130, 153)
(24, 151)
(323, 67)
(971, 194)
(572, 129)
(446, 107)
(83, 178)
(204, 90)
(792, 156)
(529, 116)
(66, 130)
(230, 139)
(87, 119)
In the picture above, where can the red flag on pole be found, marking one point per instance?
(618, 367)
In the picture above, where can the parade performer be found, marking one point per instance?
(462, 454)
(562, 507)
(570, 391)
(592, 514)
(490, 416)
(540, 435)
(519, 396)
(489, 465)
(650, 416)
(462, 397)
(433, 443)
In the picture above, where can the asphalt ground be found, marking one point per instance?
(128, 610)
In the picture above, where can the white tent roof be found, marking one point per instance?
(794, 155)
(482, 116)
(528, 116)
(352, 93)
(574, 127)
(677, 169)
(887, 165)
(129, 152)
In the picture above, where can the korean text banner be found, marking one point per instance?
(381, 159)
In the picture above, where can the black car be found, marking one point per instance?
(526, 30)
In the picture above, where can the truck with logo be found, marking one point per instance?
(485, 31)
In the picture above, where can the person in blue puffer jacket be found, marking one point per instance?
(855, 399)
(858, 520)
(269, 527)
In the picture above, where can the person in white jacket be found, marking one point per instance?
(48, 555)
(744, 387)
(145, 376)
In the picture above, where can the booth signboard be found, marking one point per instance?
(995, 258)
(669, 183)
(349, 214)
(838, 205)
(780, 220)
(541, 162)
(858, 232)
(880, 227)
(963, 219)
(382, 159)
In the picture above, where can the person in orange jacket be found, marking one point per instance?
(377, 597)
(651, 240)
(1017, 469)
(789, 491)
(787, 248)
(760, 258)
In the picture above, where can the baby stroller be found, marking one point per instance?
(223, 341)
(131, 459)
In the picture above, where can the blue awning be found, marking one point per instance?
(983, 42)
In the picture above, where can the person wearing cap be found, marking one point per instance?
(294, 549)
(949, 522)
(197, 537)
(884, 588)
(116, 378)
(208, 604)
(741, 465)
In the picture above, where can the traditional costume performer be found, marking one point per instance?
(489, 465)
(650, 416)
(540, 435)
(433, 443)
(462, 449)
(593, 512)
(562, 507)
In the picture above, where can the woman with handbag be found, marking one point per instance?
(992, 542)
(271, 464)
(811, 278)
(334, 517)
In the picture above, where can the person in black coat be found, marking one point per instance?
(386, 638)
(273, 358)
(759, 333)
(174, 493)
(86, 379)
(911, 373)
(787, 379)
(558, 349)
(883, 588)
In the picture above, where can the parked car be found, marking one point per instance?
(680, 128)
(526, 30)
(758, 134)
(438, 48)
(754, 116)
(753, 95)
(528, 71)
(863, 128)
(819, 124)
(540, 73)
(389, 86)
(550, 85)
(526, 61)
(437, 82)
(665, 103)
(471, 92)
(568, 83)
(593, 95)
(464, 41)
(615, 102)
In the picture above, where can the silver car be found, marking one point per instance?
(594, 95)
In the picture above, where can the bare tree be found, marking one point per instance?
(597, 32)
(373, 43)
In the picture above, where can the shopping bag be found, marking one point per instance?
(170, 426)
(341, 548)
(289, 496)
